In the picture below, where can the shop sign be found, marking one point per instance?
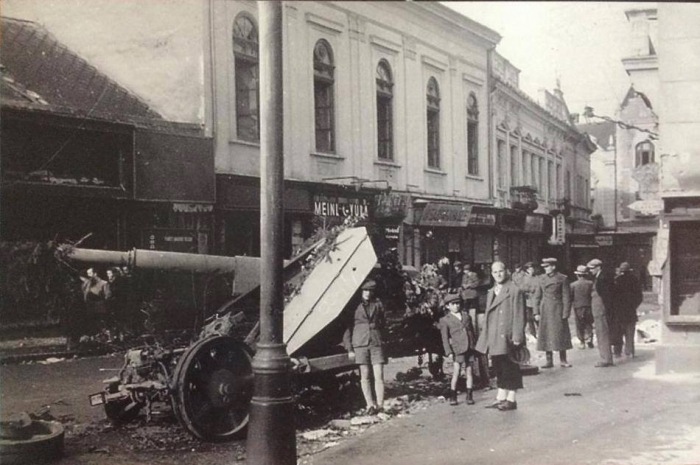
(482, 219)
(392, 233)
(192, 208)
(171, 240)
(391, 205)
(341, 207)
(604, 241)
(534, 223)
(510, 222)
(446, 215)
(558, 236)
(647, 207)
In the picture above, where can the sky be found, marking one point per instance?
(158, 55)
(579, 43)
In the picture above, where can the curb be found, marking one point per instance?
(14, 359)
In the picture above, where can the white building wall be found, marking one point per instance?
(417, 41)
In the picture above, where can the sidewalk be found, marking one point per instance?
(583, 415)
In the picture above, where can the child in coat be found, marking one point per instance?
(458, 340)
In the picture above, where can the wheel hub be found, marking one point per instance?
(221, 387)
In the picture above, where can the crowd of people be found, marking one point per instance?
(483, 313)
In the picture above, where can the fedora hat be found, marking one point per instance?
(581, 269)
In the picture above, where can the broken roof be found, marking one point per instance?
(41, 73)
(604, 133)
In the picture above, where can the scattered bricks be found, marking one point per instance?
(341, 424)
(364, 420)
(317, 434)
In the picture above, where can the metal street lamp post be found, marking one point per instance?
(271, 432)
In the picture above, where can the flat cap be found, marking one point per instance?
(593, 263)
(529, 265)
(625, 266)
(549, 261)
(457, 263)
(449, 298)
(369, 285)
(581, 269)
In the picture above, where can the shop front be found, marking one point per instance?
(677, 257)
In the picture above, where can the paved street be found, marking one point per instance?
(623, 414)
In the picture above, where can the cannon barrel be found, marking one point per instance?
(246, 269)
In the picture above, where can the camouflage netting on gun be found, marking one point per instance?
(34, 287)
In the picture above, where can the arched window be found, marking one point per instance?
(472, 135)
(323, 97)
(245, 51)
(644, 153)
(433, 117)
(385, 112)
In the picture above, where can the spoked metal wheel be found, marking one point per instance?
(214, 386)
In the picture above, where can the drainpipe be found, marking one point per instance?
(491, 91)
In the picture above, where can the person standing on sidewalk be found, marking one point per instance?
(581, 301)
(504, 329)
(628, 296)
(601, 305)
(363, 341)
(552, 305)
(528, 284)
(458, 340)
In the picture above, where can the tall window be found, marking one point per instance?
(644, 153)
(533, 171)
(567, 187)
(540, 176)
(525, 166)
(323, 97)
(433, 117)
(245, 52)
(385, 112)
(514, 165)
(501, 164)
(472, 135)
(557, 180)
(550, 180)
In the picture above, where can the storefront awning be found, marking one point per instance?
(448, 215)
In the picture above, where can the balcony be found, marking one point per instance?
(523, 198)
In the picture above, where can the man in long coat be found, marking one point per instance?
(552, 308)
(504, 329)
(628, 295)
(601, 305)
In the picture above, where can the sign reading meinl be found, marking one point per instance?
(337, 206)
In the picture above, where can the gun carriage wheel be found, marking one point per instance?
(213, 387)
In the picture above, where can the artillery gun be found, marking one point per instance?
(209, 383)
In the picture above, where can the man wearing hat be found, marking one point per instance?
(458, 340)
(363, 341)
(601, 306)
(552, 308)
(628, 295)
(581, 301)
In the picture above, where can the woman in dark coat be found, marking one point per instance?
(552, 307)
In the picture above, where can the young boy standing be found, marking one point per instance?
(458, 340)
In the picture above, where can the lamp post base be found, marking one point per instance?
(271, 431)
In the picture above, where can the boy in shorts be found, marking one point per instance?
(458, 340)
(363, 341)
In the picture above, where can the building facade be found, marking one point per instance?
(677, 255)
(626, 164)
(388, 112)
(542, 167)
